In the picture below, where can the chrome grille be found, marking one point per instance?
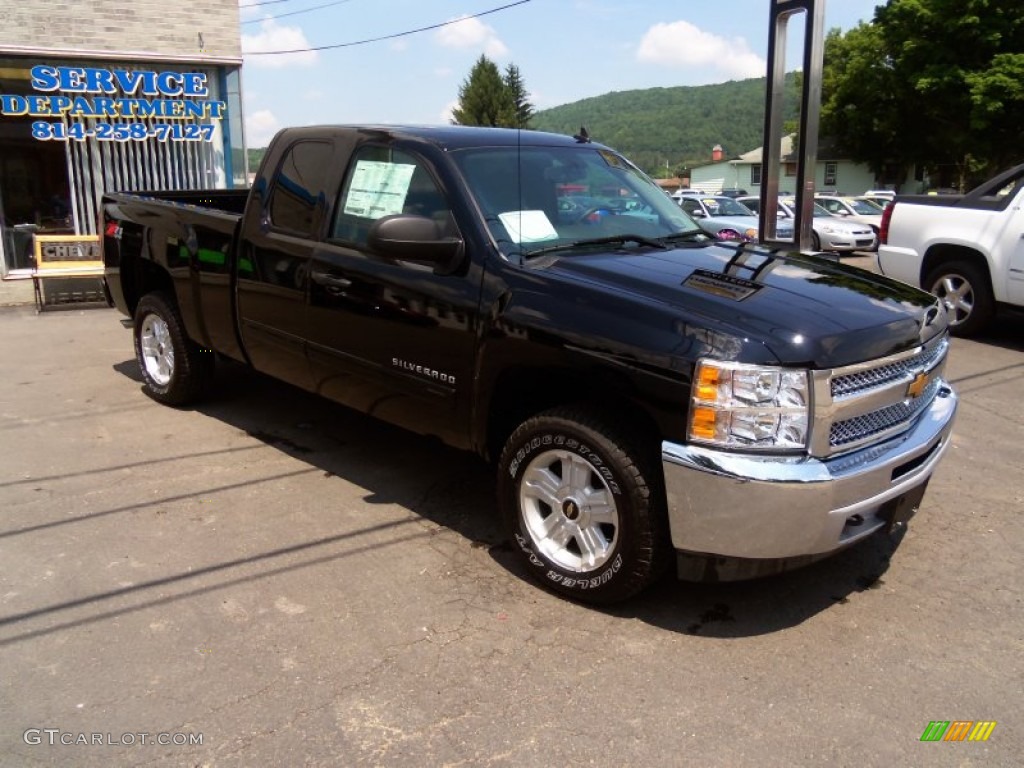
(870, 378)
(867, 403)
(860, 427)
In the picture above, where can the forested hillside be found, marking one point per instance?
(655, 126)
(677, 126)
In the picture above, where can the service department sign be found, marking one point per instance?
(116, 105)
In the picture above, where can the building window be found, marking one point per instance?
(831, 174)
(789, 169)
(755, 174)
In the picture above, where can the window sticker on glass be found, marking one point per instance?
(378, 189)
(528, 226)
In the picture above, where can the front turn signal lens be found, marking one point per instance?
(754, 407)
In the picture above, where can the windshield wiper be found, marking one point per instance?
(611, 240)
(689, 234)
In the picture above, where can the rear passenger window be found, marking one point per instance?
(299, 197)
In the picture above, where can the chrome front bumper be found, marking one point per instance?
(768, 507)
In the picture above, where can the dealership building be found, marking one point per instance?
(97, 97)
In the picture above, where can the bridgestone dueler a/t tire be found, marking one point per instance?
(175, 371)
(572, 487)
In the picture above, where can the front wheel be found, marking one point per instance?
(965, 292)
(175, 371)
(583, 506)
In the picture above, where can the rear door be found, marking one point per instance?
(273, 267)
(390, 337)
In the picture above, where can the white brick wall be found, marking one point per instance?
(161, 27)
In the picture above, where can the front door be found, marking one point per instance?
(391, 338)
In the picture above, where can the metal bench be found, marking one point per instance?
(68, 270)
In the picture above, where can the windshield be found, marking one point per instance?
(865, 208)
(726, 206)
(819, 212)
(533, 198)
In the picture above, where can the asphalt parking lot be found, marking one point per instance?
(291, 583)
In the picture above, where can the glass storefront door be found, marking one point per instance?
(34, 191)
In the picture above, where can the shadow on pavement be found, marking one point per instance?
(455, 489)
(1005, 330)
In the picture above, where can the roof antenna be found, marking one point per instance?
(582, 137)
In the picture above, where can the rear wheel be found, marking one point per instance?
(175, 370)
(815, 241)
(583, 506)
(965, 292)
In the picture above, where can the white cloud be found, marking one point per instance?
(446, 114)
(247, 9)
(682, 44)
(471, 33)
(399, 45)
(443, 71)
(274, 37)
(260, 128)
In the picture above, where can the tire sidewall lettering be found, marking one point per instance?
(566, 580)
(548, 440)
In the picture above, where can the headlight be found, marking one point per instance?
(750, 407)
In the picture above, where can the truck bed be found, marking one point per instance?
(226, 200)
(191, 240)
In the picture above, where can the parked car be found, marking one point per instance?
(851, 208)
(733, 192)
(967, 250)
(679, 194)
(882, 201)
(828, 232)
(726, 219)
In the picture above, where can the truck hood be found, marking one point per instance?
(805, 310)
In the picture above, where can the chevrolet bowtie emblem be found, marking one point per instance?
(916, 387)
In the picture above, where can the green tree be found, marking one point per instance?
(520, 99)
(485, 98)
(929, 82)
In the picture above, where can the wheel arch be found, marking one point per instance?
(523, 392)
(140, 276)
(936, 255)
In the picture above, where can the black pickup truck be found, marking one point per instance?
(645, 391)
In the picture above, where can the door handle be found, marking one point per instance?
(326, 278)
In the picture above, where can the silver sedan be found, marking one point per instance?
(726, 219)
(829, 233)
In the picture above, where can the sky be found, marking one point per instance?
(566, 50)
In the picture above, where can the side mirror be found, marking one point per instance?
(414, 238)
